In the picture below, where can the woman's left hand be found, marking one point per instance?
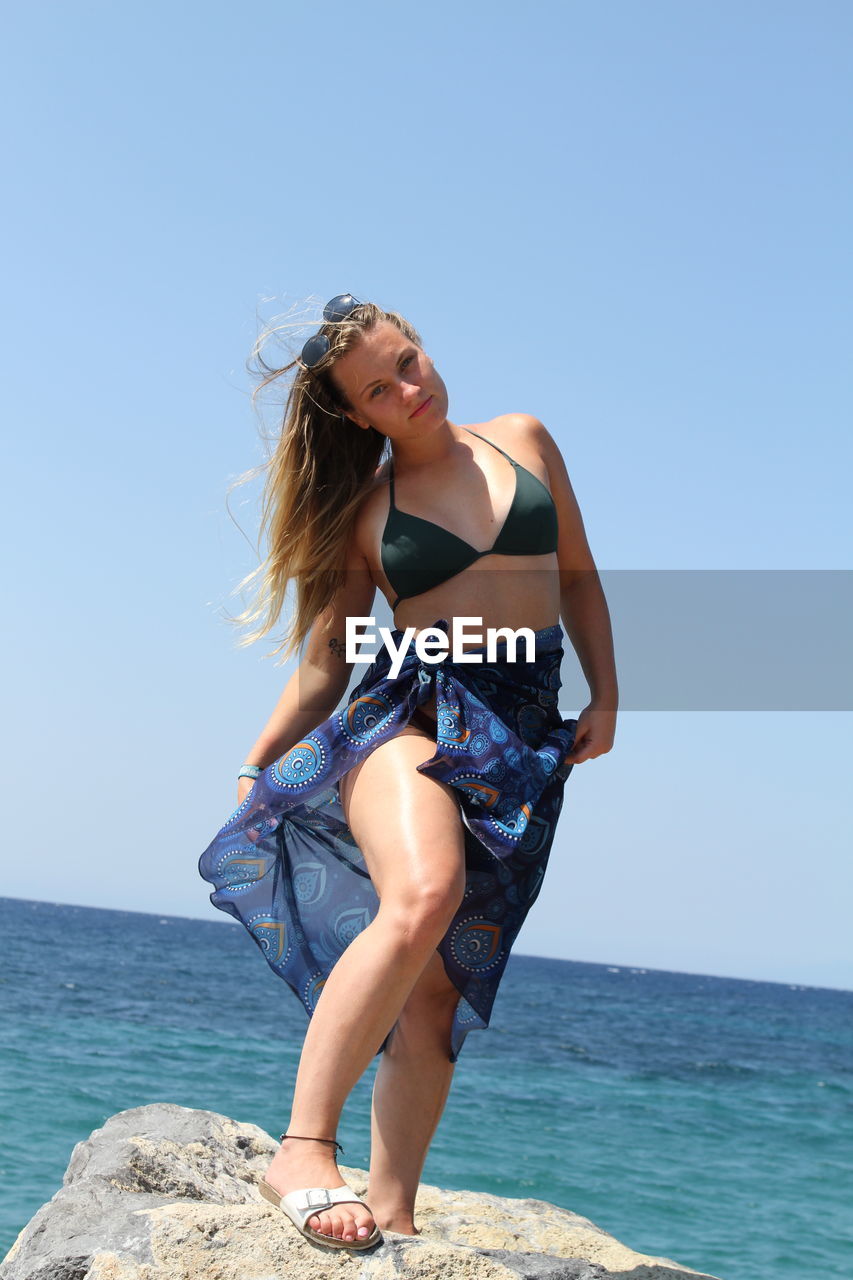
(594, 735)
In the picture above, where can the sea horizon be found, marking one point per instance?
(638, 966)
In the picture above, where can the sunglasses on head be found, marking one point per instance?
(339, 308)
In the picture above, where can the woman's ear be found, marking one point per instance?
(340, 399)
(356, 419)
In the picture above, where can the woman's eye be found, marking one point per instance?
(403, 363)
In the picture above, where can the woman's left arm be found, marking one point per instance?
(583, 608)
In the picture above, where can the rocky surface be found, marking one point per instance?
(167, 1193)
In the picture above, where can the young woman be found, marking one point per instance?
(387, 854)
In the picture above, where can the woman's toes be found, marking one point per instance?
(340, 1227)
(323, 1223)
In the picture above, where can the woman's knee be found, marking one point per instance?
(424, 908)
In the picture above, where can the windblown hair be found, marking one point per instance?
(321, 467)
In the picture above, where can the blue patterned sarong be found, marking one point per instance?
(286, 864)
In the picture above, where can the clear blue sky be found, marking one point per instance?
(632, 220)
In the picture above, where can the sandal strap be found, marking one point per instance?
(302, 1138)
(303, 1204)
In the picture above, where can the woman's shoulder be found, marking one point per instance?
(519, 434)
(514, 426)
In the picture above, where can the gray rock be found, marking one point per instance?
(167, 1193)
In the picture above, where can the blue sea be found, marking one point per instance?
(706, 1119)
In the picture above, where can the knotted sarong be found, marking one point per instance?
(286, 864)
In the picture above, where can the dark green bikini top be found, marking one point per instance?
(419, 554)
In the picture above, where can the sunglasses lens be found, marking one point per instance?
(314, 350)
(340, 307)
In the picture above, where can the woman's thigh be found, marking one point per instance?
(407, 825)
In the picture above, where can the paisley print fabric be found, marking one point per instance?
(286, 865)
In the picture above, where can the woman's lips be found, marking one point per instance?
(425, 405)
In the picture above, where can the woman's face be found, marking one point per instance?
(386, 378)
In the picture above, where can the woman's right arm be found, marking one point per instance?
(318, 683)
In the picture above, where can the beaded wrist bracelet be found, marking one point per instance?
(249, 771)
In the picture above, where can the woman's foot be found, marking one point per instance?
(392, 1215)
(315, 1166)
(403, 1226)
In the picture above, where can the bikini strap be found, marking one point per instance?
(494, 446)
(391, 479)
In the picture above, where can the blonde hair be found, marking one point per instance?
(321, 467)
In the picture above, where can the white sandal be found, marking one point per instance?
(303, 1204)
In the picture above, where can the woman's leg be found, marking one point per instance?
(410, 832)
(409, 1093)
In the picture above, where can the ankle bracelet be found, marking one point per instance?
(333, 1141)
